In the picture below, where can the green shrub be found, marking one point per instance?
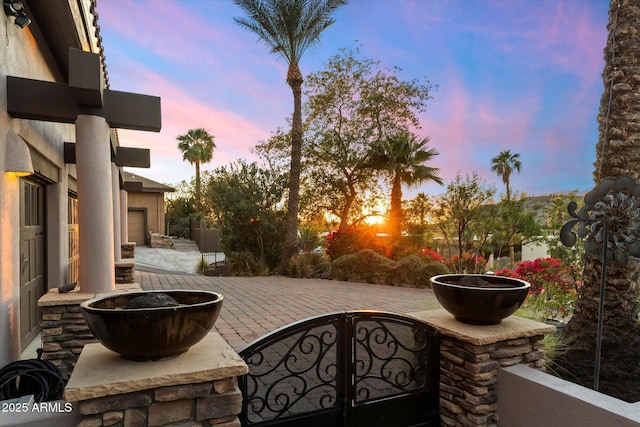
(246, 264)
(402, 273)
(427, 272)
(412, 271)
(306, 265)
(364, 266)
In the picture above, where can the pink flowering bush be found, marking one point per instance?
(429, 255)
(554, 286)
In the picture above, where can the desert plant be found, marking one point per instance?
(309, 237)
(306, 265)
(202, 265)
(246, 264)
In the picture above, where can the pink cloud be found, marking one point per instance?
(234, 135)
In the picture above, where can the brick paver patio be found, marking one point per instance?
(255, 306)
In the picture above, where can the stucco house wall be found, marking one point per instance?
(34, 53)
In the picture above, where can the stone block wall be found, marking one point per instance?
(64, 330)
(160, 241)
(196, 388)
(125, 271)
(470, 357)
(203, 404)
(469, 377)
(128, 250)
(64, 335)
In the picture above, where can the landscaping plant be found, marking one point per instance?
(554, 286)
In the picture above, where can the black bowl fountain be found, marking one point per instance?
(479, 299)
(152, 325)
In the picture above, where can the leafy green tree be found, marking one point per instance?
(289, 28)
(197, 147)
(353, 107)
(513, 227)
(403, 158)
(557, 215)
(247, 198)
(180, 208)
(461, 207)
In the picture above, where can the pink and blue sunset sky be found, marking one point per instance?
(511, 74)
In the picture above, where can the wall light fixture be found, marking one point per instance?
(17, 158)
(16, 9)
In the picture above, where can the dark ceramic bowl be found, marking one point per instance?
(152, 333)
(480, 305)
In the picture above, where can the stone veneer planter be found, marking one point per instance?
(128, 250)
(470, 356)
(198, 387)
(64, 330)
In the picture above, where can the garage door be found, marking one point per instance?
(136, 227)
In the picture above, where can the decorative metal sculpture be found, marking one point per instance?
(614, 204)
(610, 222)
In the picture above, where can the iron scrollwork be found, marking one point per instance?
(293, 375)
(331, 367)
(390, 358)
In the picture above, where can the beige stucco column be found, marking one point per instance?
(124, 224)
(115, 188)
(95, 204)
(9, 268)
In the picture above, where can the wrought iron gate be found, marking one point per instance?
(369, 369)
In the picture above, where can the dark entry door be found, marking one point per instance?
(369, 369)
(32, 258)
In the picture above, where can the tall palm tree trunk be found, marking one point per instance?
(294, 78)
(618, 154)
(395, 213)
(198, 189)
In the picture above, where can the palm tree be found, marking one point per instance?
(289, 28)
(403, 158)
(197, 147)
(617, 155)
(504, 164)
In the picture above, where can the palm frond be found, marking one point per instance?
(288, 27)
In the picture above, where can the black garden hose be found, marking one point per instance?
(40, 378)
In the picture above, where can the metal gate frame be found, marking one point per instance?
(356, 368)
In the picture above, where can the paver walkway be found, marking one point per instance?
(255, 306)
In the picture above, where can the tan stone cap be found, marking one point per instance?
(101, 372)
(510, 328)
(75, 297)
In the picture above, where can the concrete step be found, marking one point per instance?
(184, 245)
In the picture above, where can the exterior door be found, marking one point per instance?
(32, 258)
(137, 226)
(74, 254)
